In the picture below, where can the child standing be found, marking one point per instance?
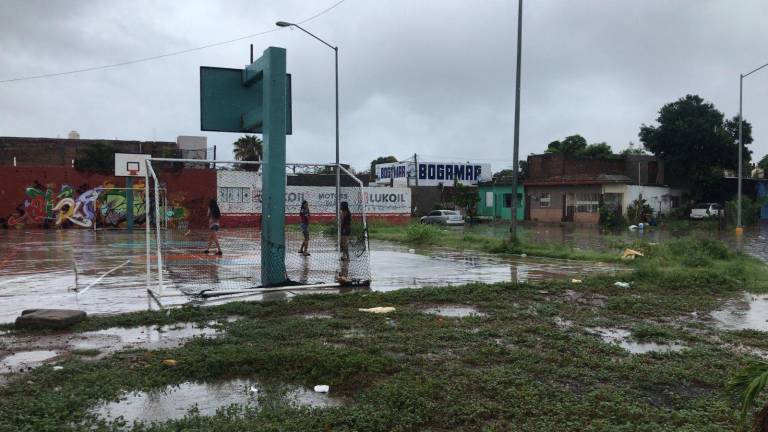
(304, 215)
(214, 215)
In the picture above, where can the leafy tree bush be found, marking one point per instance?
(750, 210)
(637, 211)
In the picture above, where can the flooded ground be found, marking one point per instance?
(454, 311)
(754, 240)
(20, 353)
(623, 338)
(747, 313)
(175, 402)
(40, 269)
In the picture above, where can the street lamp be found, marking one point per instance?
(739, 228)
(338, 170)
(516, 146)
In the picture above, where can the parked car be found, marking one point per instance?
(705, 210)
(443, 217)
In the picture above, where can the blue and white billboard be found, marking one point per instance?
(434, 173)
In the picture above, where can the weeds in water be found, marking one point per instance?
(422, 234)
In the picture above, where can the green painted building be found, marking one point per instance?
(496, 200)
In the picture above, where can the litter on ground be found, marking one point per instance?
(630, 254)
(378, 310)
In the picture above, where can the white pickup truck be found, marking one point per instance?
(706, 210)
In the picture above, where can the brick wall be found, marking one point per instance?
(61, 151)
(28, 195)
(643, 169)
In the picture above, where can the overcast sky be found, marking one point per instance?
(433, 77)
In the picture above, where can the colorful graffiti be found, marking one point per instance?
(102, 206)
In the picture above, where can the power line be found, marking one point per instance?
(170, 54)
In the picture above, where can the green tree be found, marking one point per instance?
(576, 146)
(695, 141)
(465, 197)
(633, 149)
(248, 148)
(380, 160)
(763, 164)
(572, 145)
(597, 150)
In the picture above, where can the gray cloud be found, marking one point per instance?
(429, 77)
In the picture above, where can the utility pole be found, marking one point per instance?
(516, 150)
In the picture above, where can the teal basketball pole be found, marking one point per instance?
(273, 171)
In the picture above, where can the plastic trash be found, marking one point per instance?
(254, 389)
(322, 388)
(621, 284)
(524, 255)
(640, 225)
(411, 250)
(169, 362)
(630, 254)
(378, 310)
(58, 368)
(632, 227)
(576, 281)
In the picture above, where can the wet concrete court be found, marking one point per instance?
(40, 269)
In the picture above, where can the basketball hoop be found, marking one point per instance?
(132, 168)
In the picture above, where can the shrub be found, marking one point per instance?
(421, 234)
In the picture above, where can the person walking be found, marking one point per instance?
(304, 215)
(214, 215)
(346, 230)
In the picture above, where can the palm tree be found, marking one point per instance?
(248, 148)
(748, 383)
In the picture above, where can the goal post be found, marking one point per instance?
(176, 250)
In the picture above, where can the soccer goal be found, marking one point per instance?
(181, 253)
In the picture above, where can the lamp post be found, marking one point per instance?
(516, 148)
(338, 170)
(739, 228)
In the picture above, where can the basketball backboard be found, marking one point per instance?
(130, 165)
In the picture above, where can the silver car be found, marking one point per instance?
(443, 217)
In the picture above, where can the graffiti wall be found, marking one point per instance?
(63, 198)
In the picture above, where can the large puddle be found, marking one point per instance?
(747, 313)
(41, 269)
(175, 402)
(25, 359)
(31, 351)
(453, 311)
(622, 338)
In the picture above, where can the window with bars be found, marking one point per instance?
(545, 201)
(234, 194)
(587, 202)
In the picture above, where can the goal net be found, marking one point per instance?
(185, 255)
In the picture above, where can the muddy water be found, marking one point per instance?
(19, 353)
(747, 313)
(753, 242)
(40, 269)
(174, 402)
(622, 338)
(395, 267)
(25, 359)
(453, 311)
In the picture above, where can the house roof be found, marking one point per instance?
(580, 180)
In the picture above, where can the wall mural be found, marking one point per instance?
(103, 206)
